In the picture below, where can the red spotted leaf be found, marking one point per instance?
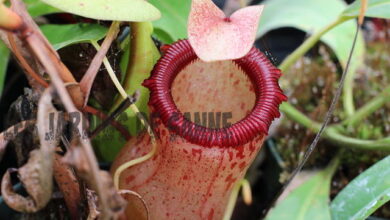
(217, 37)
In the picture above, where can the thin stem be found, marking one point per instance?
(130, 163)
(294, 114)
(119, 127)
(89, 77)
(149, 155)
(233, 197)
(246, 191)
(334, 133)
(309, 43)
(24, 63)
(334, 136)
(111, 72)
(369, 108)
(348, 103)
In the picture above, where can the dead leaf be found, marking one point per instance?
(36, 174)
(92, 205)
(69, 186)
(213, 36)
(48, 58)
(76, 157)
(11, 133)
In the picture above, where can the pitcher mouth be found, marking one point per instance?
(255, 65)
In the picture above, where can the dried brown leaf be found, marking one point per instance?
(92, 205)
(36, 177)
(58, 75)
(11, 133)
(76, 157)
(36, 174)
(69, 186)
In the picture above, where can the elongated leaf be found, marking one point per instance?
(163, 36)
(174, 17)
(365, 194)
(117, 10)
(4, 57)
(38, 8)
(376, 8)
(63, 35)
(309, 201)
(310, 16)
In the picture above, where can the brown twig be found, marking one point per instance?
(114, 123)
(58, 74)
(23, 62)
(89, 77)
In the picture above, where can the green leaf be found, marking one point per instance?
(63, 35)
(142, 58)
(4, 57)
(376, 8)
(309, 201)
(38, 8)
(365, 194)
(163, 36)
(310, 16)
(174, 19)
(117, 10)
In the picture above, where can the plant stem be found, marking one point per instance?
(111, 72)
(233, 198)
(348, 103)
(333, 135)
(369, 108)
(294, 114)
(309, 43)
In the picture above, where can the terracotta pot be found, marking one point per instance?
(199, 160)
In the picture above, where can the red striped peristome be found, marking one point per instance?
(195, 168)
(258, 68)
